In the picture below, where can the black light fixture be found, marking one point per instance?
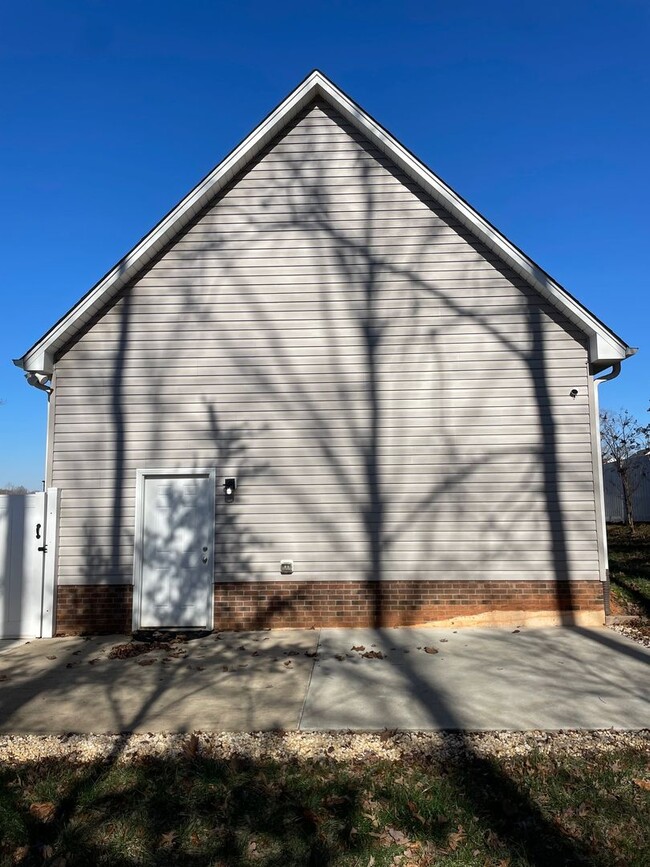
(229, 488)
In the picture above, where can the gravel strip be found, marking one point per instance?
(637, 630)
(339, 747)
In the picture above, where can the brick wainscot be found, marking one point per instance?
(392, 603)
(258, 605)
(93, 609)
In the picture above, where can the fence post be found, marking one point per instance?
(48, 611)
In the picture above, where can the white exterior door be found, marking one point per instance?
(174, 572)
(22, 533)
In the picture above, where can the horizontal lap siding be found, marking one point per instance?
(394, 402)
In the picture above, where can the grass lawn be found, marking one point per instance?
(629, 563)
(576, 806)
(534, 809)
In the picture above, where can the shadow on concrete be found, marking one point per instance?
(389, 499)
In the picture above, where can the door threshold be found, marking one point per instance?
(168, 633)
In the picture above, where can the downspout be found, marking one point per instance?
(39, 380)
(598, 471)
(616, 369)
(49, 574)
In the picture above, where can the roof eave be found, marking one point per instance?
(41, 356)
(604, 345)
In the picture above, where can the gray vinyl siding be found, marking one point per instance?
(394, 402)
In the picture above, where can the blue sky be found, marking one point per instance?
(111, 111)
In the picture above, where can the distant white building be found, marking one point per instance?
(614, 500)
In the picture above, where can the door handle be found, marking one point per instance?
(38, 531)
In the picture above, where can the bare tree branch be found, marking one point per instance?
(622, 437)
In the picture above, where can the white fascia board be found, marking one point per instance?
(603, 344)
(40, 357)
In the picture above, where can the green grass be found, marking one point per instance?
(629, 564)
(528, 811)
(534, 810)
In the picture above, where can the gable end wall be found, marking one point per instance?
(394, 402)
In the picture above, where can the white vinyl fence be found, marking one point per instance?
(28, 535)
(614, 501)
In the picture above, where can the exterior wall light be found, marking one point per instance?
(229, 488)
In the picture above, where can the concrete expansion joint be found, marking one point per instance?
(311, 674)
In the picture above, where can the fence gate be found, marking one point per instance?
(28, 535)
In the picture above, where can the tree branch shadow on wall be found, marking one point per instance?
(363, 272)
(356, 260)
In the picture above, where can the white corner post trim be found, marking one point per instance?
(51, 538)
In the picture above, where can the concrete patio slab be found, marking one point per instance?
(11, 643)
(479, 679)
(237, 681)
(551, 678)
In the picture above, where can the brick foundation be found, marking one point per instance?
(257, 605)
(93, 608)
(393, 603)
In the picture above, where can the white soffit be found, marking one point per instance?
(605, 346)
